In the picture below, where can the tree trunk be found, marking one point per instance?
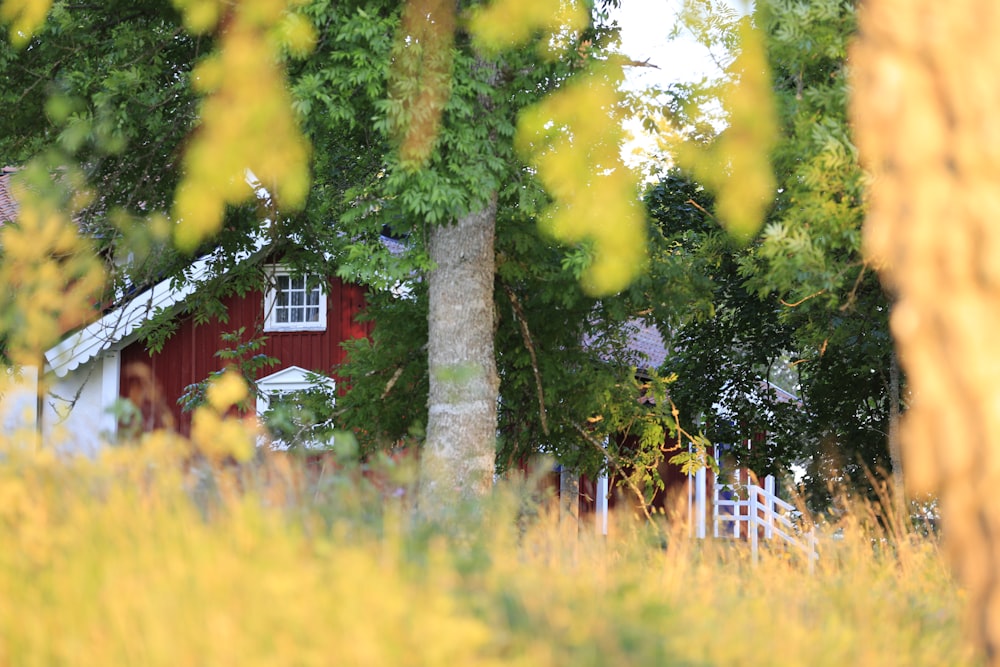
(569, 496)
(895, 452)
(925, 109)
(460, 450)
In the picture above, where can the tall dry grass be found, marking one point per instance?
(134, 560)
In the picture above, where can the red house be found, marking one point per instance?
(303, 318)
(74, 398)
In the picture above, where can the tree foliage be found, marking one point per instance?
(726, 352)
(409, 128)
(799, 305)
(810, 253)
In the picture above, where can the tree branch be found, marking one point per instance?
(618, 469)
(852, 296)
(802, 300)
(700, 208)
(526, 335)
(391, 383)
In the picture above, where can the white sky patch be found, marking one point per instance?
(645, 31)
(646, 28)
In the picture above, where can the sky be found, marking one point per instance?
(645, 29)
(646, 25)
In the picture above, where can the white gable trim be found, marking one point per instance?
(83, 345)
(293, 378)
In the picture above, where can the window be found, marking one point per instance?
(295, 404)
(295, 302)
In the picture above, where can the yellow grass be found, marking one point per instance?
(129, 561)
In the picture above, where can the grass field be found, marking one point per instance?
(131, 560)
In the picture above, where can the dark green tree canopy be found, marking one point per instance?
(798, 305)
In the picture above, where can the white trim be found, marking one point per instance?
(110, 391)
(293, 378)
(783, 395)
(285, 381)
(271, 296)
(84, 345)
(602, 504)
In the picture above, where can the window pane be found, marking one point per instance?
(297, 300)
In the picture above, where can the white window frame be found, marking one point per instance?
(287, 380)
(271, 307)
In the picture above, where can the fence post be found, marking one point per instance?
(602, 504)
(737, 505)
(699, 500)
(752, 519)
(716, 496)
(769, 512)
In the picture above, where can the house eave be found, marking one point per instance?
(87, 343)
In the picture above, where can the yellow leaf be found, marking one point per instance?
(737, 167)
(25, 18)
(505, 24)
(200, 16)
(573, 139)
(247, 125)
(226, 391)
(296, 35)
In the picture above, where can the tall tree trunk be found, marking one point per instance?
(925, 109)
(460, 449)
(895, 451)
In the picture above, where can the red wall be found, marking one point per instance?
(154, 383)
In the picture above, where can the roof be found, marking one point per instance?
(782, 395)
(644, 346)
(8, 206)
(87, 343)
(117, 324)
(394, 246)
(646, 341)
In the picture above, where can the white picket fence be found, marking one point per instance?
(745, 509)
